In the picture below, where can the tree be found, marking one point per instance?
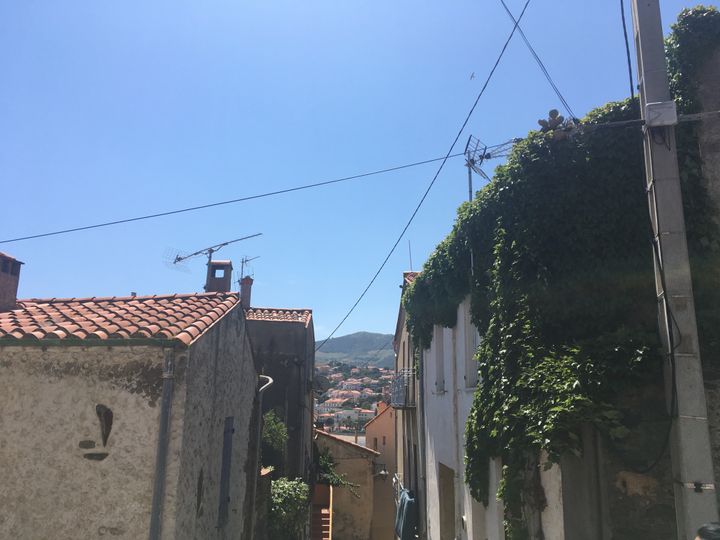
(274, 440)
(289, 508)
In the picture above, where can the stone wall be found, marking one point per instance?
(220, 382)
(58, 478)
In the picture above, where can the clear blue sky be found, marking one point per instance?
(115, 109)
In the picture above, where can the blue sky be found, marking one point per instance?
(115, 109)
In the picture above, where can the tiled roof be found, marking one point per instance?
(279, 315)
(181, 317)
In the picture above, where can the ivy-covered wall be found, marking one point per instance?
(562, 290)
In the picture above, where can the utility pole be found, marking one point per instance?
(692, 467)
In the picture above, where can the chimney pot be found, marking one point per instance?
(219, 276)
(245, 291)
(9, 280)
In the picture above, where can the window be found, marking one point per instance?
(437, 343)
(224, 501)
(384, 442)
(374, 443)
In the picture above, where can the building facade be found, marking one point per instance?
(127, 416)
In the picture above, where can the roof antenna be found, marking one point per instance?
(410, 253)
(243, 263)
(210, 250)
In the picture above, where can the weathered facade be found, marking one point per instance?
(449, 381)
(380, 436)
(352, 515)
(405, 399)
(127, 417)
(283, 344)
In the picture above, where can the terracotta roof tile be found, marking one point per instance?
(279, 315)
(181, 317)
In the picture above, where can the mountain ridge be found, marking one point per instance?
(358, 349)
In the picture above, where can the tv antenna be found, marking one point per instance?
(244, 262)
(210, 250)
(476, 152)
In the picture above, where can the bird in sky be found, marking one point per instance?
(472, 75)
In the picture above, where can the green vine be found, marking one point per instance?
(562, 286)
(327, 473)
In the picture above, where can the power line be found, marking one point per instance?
(540, 63)
(231, 201)
(432, 182)
(627, 48)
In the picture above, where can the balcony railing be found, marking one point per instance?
(402, 389)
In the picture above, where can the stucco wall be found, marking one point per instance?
(709, 128)
(383, 521)
(48, 399)
(445, 415)
(220, 382)
(352, 516)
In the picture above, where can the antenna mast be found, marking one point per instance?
(210, 250)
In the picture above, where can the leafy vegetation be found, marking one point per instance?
(274, 441)
(562, 285)
(327, 473)
(289, 508)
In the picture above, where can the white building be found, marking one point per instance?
(448, 383)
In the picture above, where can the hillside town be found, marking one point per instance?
(550, 371)
(352, 396)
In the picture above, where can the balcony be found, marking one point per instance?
(402, 389)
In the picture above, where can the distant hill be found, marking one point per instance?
(359, 349)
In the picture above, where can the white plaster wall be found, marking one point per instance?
(439, 434)
(48, 398)
(220, 381)
(445, 417)
(552, 516)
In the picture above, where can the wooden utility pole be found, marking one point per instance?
(694, 484)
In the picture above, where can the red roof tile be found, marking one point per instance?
(180, 317)
(279, 315)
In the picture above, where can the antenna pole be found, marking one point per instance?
(410, 253)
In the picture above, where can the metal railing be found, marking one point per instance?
(402, 389)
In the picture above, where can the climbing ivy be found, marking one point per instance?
(562, 285)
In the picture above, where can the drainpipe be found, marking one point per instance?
(258, 439)
(168, 377)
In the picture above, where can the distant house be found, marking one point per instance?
(283, 344)
(126, 417)
(352, 513)
(380, 436)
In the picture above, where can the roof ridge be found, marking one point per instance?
(56, 300)
(253, 308)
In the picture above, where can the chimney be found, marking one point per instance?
(219, 276)
(245, 290)
(9, 279)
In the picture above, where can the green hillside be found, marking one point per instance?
(359, 349)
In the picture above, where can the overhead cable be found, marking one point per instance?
(540, 63)
(432, 182)
(627, 48)
(231, 201)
